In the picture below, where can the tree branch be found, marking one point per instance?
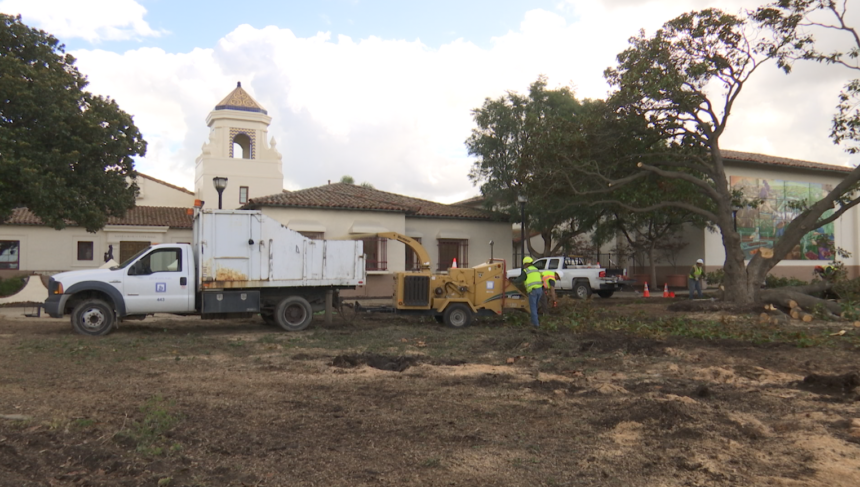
(664, 204)
(712, 193)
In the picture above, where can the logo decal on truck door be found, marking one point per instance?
(161, 287)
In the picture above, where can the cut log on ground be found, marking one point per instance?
(773, 316)
(795, 297)
(799, 314)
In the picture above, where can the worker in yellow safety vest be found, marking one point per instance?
(530, 276)
(549, 278)
(694, 280)
(828, 272)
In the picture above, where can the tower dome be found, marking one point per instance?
(239, 99)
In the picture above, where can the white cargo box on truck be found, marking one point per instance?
(245, 249)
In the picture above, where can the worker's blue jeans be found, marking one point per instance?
(534, 302)
(694, 285)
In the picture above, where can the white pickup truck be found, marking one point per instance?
(577, 278)
(240, 263)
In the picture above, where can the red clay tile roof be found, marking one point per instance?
(154, 216)
(474, 201)
(178, 188)
(353, 197)
(782, 161)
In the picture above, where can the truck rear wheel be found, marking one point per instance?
(457, 315)
(93, 317)
(605, 294)
(294, 313)
(581, 290)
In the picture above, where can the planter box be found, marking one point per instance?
(676, 280)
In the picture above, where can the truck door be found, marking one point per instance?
(159, 282)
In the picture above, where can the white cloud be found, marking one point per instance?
(396, 113)
(91, 20)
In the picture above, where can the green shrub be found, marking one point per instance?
(11, 286)
(773, 281)
(848, 290)
(715, 278)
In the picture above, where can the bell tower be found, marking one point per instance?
(237, 149)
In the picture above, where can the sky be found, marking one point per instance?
(382, 90)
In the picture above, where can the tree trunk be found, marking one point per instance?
(652, 266)
(742, 281)
(736, 280)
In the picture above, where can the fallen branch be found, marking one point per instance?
(792, 298)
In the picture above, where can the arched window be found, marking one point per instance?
(241, 146)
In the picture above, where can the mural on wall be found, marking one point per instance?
(760, 227)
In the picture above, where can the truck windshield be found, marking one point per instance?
(131, 259)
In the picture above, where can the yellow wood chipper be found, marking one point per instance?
(455, 297)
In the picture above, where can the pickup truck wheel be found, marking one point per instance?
(581, 290)
(457, 315)
(93, 317)
(294, 313)
(605, 294)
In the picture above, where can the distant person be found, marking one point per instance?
(694, 280)
(109, 254)
(827, 273)
(530, 277)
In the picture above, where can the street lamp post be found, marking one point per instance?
(220, 185)
(522, 201)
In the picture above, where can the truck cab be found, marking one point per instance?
(159, 279)
(576, 277)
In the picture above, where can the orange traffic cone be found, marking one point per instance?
(454, 264)
(646, 293)
(666, 290)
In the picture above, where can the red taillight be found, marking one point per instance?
(602, 274)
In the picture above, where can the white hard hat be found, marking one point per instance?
(700, 261)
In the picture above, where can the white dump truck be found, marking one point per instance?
(239, 263)
(576, 277)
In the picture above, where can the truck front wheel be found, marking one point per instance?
(457, 315)
(294, 313)
(93, 317)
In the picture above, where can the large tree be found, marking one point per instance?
(518, 141)
(684, 82)
(820, 17)
(65, 153)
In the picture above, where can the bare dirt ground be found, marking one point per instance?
(389, 400)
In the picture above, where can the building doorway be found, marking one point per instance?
(128, 248)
